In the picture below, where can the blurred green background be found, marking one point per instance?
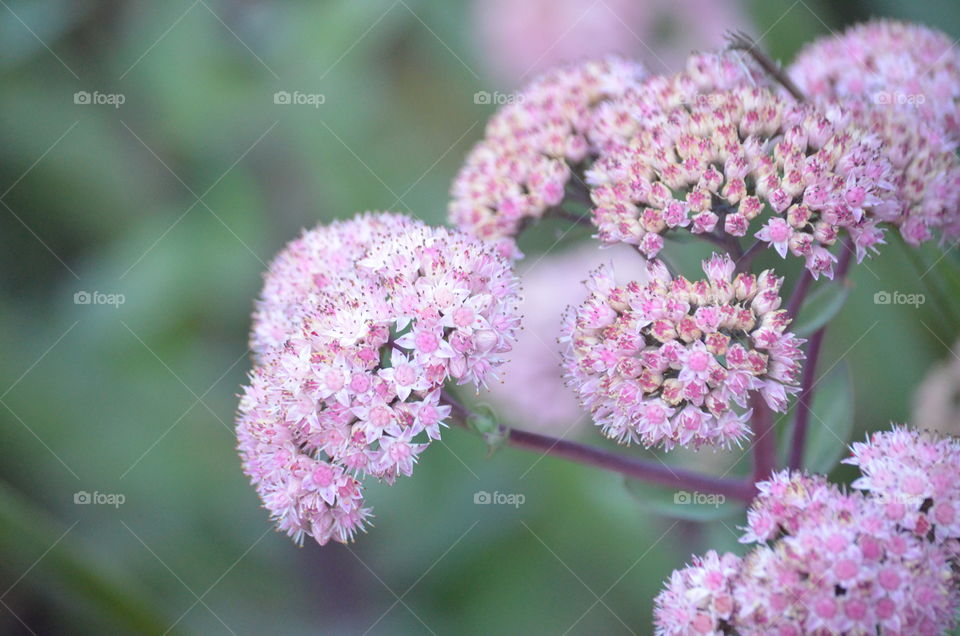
(176, 199)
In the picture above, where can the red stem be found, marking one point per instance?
(631, 466)
(765, 439)
(808, 382)
(803, 402)
(799, 294)
(658, 473)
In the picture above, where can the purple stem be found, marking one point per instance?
(799, 294)
(806, 393)
(765, 439)
(808, 383)
(747, 257)
(630, 466)
(635, 468)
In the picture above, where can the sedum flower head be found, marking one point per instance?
(531, 147)
(308, 267)
(890, 63)
(668, 361)
(836, 564)
(914, 475)
(729, 157)
(823, 562)
(356, 389)
(902, 82)
(698, 599)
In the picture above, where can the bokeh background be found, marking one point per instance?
(176, 198)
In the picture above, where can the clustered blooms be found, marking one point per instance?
(829, 562)
(356, 386)
(915, 477)
(666, 362)
(901, 81)
(532, 147)
(691, 156)
(698, 599)
(890, 63)
(307, 267)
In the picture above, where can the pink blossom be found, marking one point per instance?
(532, 147)
(698, 599)
(710, 141)
(902, 83)
(673, 362)
(355, 389)
(822, 562)
(913, 474)
(306, 269)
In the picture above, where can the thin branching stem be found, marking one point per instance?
(633, 467)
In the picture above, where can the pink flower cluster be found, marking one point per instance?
(890, 63)
(307, 267)
(532, 147)
(828, 562)
(698, 599)
(666, 362)
(901, 81)
(916, 477)
(354, 390)
(687, 154)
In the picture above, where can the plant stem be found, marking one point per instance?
(645, 470)
(765, 439)
(799, 294)
(747, 257)
(724, 241)
(808, 382)
(570, 215)
(806, 393)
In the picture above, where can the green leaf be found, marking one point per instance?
(830, 426)
(820, 307)
(677, 503)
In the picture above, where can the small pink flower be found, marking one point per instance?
(777, 232)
